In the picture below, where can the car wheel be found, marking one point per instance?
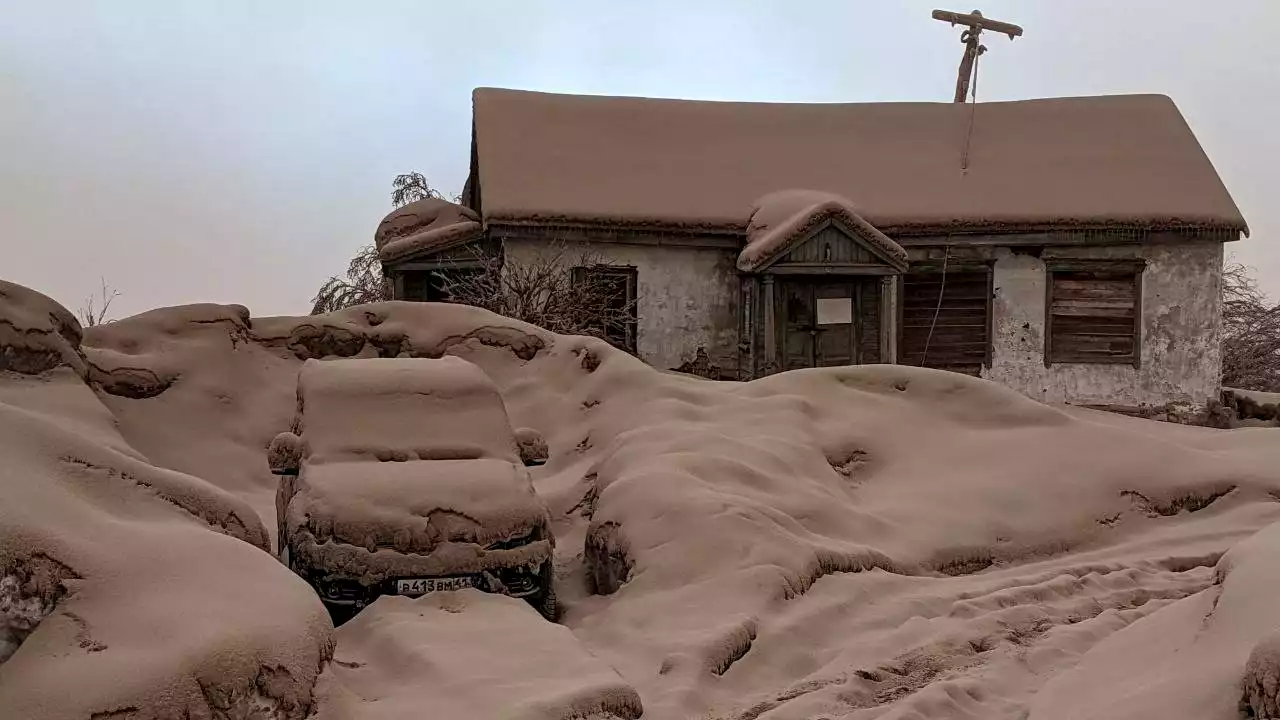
(544, 601)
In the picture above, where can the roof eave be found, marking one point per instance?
(891, 228)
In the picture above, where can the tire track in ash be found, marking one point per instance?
(975, 646)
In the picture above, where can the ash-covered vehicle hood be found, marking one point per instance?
(416, 505)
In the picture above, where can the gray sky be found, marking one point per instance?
(240, 151)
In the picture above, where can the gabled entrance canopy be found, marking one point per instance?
(816, 284)
(803, 232)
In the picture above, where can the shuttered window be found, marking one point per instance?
(946, 319)
(1094, 314)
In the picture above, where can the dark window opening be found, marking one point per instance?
(613, 288)
(433, 285)
(1093, 316)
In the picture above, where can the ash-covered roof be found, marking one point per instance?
(1086, 162)
(424, 226)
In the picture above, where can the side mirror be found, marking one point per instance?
(533, 447)
(285, 454)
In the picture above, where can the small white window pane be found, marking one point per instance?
(835, 311)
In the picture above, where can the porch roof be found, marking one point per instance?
(782, 219)
(425, 226)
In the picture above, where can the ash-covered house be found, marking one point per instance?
(1070, 248)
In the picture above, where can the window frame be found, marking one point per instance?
(631, 280)
(954, 267)
(1119, 269)
(433, 276)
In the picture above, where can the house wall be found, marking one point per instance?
(686, 297)
(689, 296)
(1180, 354)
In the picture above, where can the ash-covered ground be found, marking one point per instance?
(861, 542)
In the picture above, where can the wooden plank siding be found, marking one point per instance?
(868, 322)
(946, 321)
(1094, 316)
(830, 246)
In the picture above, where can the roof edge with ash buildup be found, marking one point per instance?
(425, 226)
(1083, 163)
(782, 220)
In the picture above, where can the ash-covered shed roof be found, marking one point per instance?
(424, 226)
(1085, 162)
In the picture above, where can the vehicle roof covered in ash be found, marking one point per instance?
(400, 409)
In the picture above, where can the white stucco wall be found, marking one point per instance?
(1180, 353)
(686, 298)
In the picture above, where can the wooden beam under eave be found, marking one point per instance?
(829, 269)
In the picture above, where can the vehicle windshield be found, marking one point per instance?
(403, 409)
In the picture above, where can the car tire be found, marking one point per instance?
(544, 601)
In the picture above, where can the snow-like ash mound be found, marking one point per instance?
(36, 333)
(129, 589)
(845, 542)
(468, 655)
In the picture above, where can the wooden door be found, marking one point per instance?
(828, 323)
(798, 325)
(835, 328)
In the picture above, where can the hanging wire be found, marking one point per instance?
(964, 165)
(973, 107)
(937, 310)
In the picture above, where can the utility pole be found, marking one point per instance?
(975, 23)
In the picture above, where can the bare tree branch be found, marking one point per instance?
(412, 186)
(1250, 333)
(364, 283)
(545, 290)
(93, 314)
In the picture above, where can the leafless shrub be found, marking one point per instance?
(1250, 333)
(559, 289)
(94, 310)
(364, 283)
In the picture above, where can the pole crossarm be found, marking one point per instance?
(974, 23)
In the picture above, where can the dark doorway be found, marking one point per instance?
(827, 323)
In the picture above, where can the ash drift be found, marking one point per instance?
(853, 543)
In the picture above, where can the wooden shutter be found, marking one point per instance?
(869, 317)
(950, 316)
(1094, 315)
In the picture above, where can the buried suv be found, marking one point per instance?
(403, 477)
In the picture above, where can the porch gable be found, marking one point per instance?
(832, 247)
(806, 231)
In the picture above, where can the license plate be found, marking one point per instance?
(422, 586)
